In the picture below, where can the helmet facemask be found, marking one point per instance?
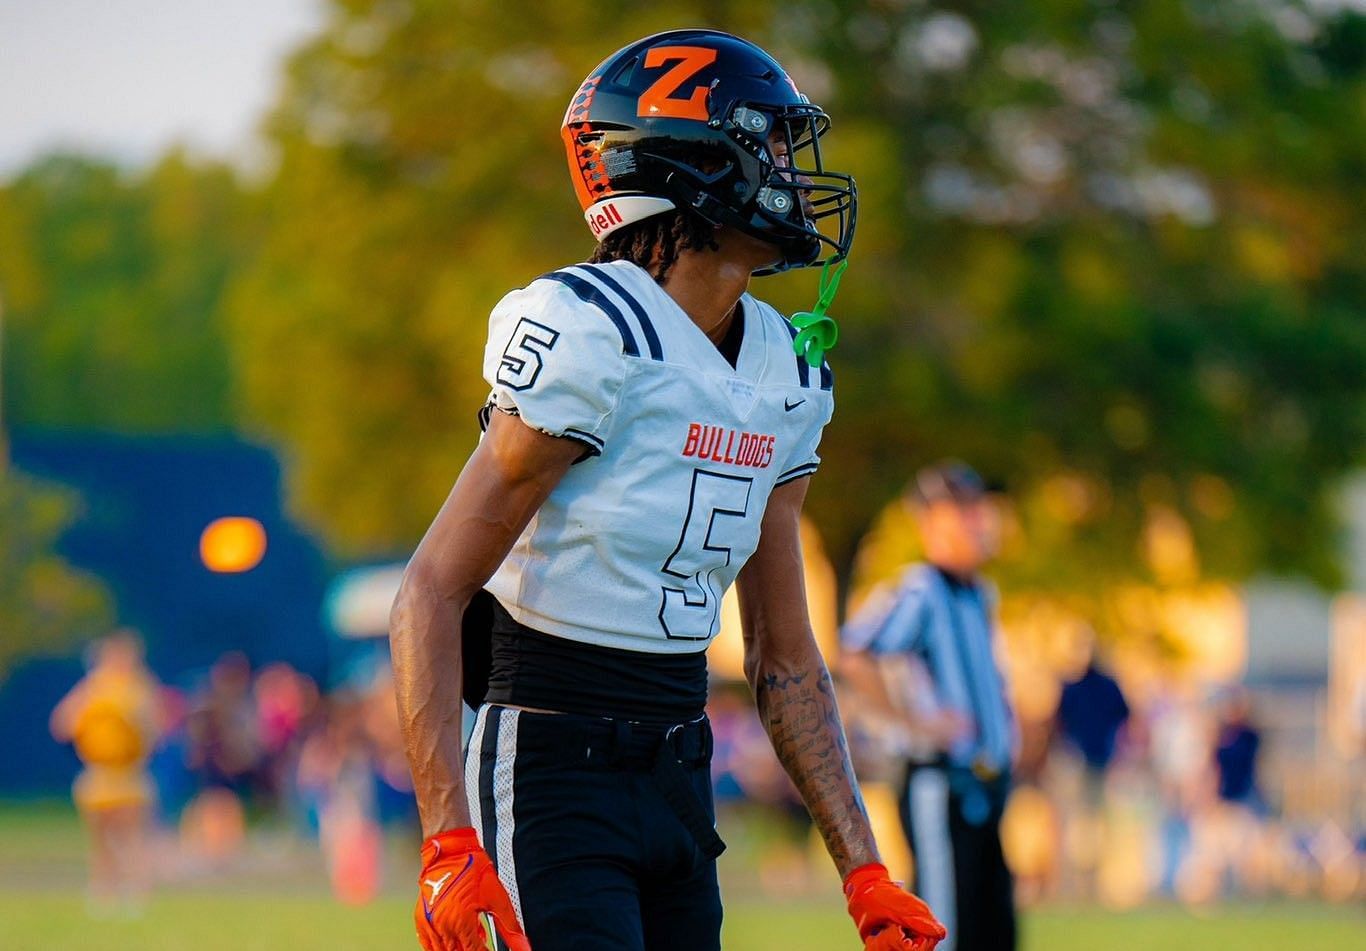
(812, 210)
(795, 204)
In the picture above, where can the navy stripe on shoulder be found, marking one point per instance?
(651, 338)
(827, 376)
(803, 368)
(590, 294)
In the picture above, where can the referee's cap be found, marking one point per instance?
(949, 480)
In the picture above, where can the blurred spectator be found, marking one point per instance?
(1235, 755)
(112, 717)
(1229, 847)
(225, 753)
(1091, 712)
(284, 699)
(337, 781)
(956, 784)
(176, 784)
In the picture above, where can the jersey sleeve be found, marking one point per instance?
(803, 458)
(556, 362)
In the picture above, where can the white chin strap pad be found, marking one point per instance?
(618, 211)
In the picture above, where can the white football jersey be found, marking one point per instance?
(636, 546)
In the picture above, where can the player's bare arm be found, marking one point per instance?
(505, 481)
(792, 686)
(796, 701)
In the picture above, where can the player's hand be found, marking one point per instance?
(889, 918)
(458, 887)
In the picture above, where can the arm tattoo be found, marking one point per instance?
(798, 710)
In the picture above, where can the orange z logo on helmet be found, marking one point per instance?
(655, 101)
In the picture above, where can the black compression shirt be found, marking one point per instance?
(537, 670)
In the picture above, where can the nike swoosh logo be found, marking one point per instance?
(438, 884)
(790, 406)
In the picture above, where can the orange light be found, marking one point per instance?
(233, 544)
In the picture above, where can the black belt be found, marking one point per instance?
(675, 786)
(665, 752)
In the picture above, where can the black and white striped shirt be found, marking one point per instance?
(948, 624)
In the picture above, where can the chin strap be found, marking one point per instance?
(816, 331)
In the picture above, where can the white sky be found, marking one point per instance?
(127, 78)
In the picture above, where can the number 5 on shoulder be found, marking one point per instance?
(521, 363)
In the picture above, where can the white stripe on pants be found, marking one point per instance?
(929, 810)
(503, 764)
(499, 779)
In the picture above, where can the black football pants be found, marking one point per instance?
(954, 831)
(592, 855)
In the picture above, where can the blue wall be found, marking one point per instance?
(146, 503)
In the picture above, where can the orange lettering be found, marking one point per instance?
(690, 446)
(656, 100)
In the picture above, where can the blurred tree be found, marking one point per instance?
(111, 283)
(45, 604)
(421, 177)
(1114, 252)
(1117, 259)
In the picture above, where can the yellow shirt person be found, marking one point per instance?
(111, 717)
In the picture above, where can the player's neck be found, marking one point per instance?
(707, 284)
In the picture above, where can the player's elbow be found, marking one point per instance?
(423, 587)
(781, 657)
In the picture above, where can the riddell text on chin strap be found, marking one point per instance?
(817, 332)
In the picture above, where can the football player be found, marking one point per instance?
(648, 440)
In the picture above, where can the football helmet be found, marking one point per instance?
(703, 120)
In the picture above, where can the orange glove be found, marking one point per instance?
(459, 886)
(888, 917)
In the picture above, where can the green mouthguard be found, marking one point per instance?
(816, 331)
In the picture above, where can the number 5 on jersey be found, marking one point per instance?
(521, 363)
(717, 507)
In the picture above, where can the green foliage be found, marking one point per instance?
(1117, 244)
(111, 285)
(45, 605)
(1122, 242)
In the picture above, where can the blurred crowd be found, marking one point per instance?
(1122, 803)
(196, 764)
(1115, 803)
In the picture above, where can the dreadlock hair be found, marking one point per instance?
(654, 243)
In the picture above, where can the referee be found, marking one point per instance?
(920, 654)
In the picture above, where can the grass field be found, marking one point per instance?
(282, 904)
(42, 921)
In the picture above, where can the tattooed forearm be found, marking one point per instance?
(798, 710)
